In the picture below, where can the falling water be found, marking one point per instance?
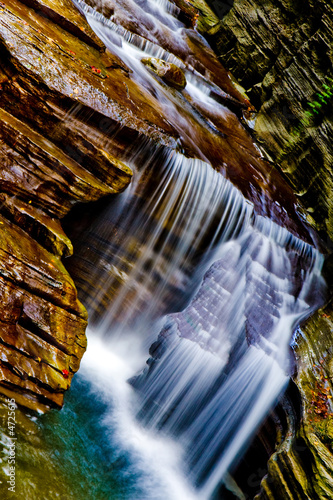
(154, 244)
(216, 368)
(182, 265)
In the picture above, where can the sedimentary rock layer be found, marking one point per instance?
(47, 165)
(281, 53)
(302, 466)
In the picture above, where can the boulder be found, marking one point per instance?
(168, 72)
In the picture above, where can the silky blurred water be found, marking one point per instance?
(94, 449)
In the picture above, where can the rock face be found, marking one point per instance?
(168, 72)
(281, 53)
(47, 164)
(303, 463)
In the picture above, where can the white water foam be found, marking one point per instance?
(158, 458)
(131, 48)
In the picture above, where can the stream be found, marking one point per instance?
(195, 278)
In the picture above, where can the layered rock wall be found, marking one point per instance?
(281, 53)
(47, 164)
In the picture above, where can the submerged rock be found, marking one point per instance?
(170, 73)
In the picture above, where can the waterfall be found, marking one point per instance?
(184, 272)
(113, 34)
(220, 361)
(218, 366)
(163, 238)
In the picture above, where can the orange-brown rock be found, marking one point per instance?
(42, 322)
(64, 14)
(168, 72)
(41, 227)
(50, 161)
(70, 68)
(34, 168)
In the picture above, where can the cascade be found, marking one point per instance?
(203, 278)
(147, 249)
(218, 365)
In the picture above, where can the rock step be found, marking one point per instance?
(42, 174)
(72, 69)
(63, 13)
(42, 323)
(40, 226)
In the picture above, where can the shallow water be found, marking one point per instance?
(94, 449)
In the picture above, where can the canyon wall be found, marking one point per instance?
(47, 164)
(281, 54)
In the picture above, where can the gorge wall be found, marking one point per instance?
(281, 53)
(47, 164)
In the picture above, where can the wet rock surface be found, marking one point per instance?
(47, 165)
(42, 322)
(70, 68)
(41, 171)
(64, 14)
(281, 54)
(303, 463)
(170, 73)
